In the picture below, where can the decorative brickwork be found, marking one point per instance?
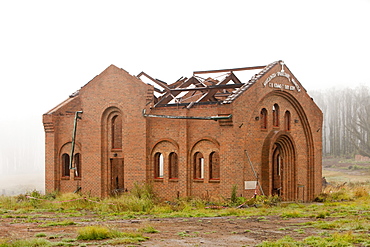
(196, 137)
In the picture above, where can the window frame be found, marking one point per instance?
(198, 166)
(173, 165)
(65, 172)
(158, 165)
(77, 165)
(263, 118)
(214, 166)
(275, 115)
(116, 132)
(288, 121)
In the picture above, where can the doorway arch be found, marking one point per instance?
(112, 164)
(279, 168)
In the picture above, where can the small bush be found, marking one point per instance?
(234, 197)
(40, 235)
(148, 229)
(144, 191)
(292, 214)
(322, 215)
(360, 192)
(285, 241)
(97, 233)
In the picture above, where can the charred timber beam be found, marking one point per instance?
(210, 94)
(215, 118)
(227, 70)
(209, 87)
(159, 82)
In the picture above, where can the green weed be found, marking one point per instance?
(40, 235)
(148, 229)
(128, 238)
(183, 234)
(37, 242)
(59, 223)
(101, 232)
(336, 239)
(292, 214)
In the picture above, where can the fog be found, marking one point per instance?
(51, 49)
(22, 154)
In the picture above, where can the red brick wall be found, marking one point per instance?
(114, 91)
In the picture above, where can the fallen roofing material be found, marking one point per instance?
(196, 90)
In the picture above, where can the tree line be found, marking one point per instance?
(346, 127)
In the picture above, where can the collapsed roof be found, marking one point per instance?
(221, 88)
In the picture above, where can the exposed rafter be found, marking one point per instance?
(196, 89)
(227, 70)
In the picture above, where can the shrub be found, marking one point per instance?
(144, 191)
(131, 203)
(148, 229)
(292, 214)
(97, 233)
(233, 197)
(40, 235)
(360, 192)
(322, 215)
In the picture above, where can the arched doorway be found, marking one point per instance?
(113, 172)
(276, 170)
(279, 175)
(284, 167)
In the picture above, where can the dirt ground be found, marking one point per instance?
(346, 171)
(214, 231)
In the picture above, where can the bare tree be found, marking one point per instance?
(360, 128)
(346, 120)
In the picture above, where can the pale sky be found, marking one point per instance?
(50, 49)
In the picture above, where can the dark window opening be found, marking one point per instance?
(117, 132)
(287, 120)
(263, 118)
(77, 165)
(275, 115)
(198, 166)
(158, 165)
(173, 165)
(214, 165)
(65, 165)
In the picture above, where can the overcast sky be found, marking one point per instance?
(49, 49)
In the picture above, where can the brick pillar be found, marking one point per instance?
(51, 169)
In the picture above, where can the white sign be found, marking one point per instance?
(250, 185)
(280, 85)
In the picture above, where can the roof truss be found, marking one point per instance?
(196, 89)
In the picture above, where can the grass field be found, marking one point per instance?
(339, 217)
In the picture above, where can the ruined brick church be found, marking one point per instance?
(197, 137)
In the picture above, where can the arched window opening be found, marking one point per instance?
(77, 165)
(173, 165)
(158, 165)
(198, 166)
(214, 165)
(116, 126)
(275, 115)
(263, 118)
(65, 165)
(287, 120)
